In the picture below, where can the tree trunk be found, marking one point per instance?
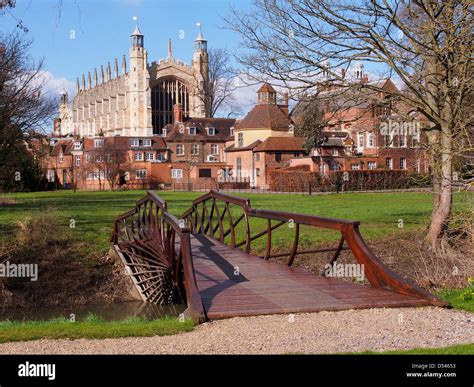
(442, 183)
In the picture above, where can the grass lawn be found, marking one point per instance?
(93, 212)
(462, 349)
(455, 299)
(91, 327)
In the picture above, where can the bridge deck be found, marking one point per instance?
(265, 287)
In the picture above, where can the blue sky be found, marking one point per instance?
(83, 34)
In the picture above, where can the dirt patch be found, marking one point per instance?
(68, 274)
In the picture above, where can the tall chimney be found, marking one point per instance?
(284, 106)
(178, 112)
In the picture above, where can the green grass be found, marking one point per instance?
(453, 296)
(93, 327)
(93, 212)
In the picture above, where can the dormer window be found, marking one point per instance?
(211, 131)
(232, 131)
(135, 142)
(77, 145)
(164, 133)
(192, 131)
(99, 143)
(147, 142)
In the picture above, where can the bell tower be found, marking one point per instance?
(201, 71)
(139, 95)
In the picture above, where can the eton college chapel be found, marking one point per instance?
(144, 125)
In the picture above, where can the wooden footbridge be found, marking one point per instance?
(207, 260)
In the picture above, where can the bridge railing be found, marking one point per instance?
(211, 215)
(155, 247)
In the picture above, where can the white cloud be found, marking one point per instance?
(54, 86)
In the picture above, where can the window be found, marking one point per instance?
(160, 157)
(205, 172)
(335, 152)
(149, 156)
(355, 167)
(195, 149)
(141, 174)
(211, 131)
(77, 145)
(389, 163)
(403, 163)
(371, 165)
(192, 131)
(98, 143)
(135, 142)
(402, 140)
(316, 152)
(177, 173)
(232, 131)
(240, 140)
(78, 161)
(239, 167)
(416, 139)
(257, 156)
(416, 166)
(360, 140)
(138, 156)
(88, 158)
(147, 142)
(164, 132)
(388, 140)
(180, 150)
(370, 140)
(214, 149)
(60, 158)
(257, 171)
(278, 157)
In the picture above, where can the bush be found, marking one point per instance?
(300, 181)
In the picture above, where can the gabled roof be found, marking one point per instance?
(266, 117)
(266, 88)
(281, 144)
(62, 146)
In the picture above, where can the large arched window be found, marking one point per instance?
(164, 95)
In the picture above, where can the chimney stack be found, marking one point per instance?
(178, 112)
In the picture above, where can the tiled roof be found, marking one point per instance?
(282, 144)
(266, 88)
(233, 148)
(265, 116)
(62, 146)
(179, 131)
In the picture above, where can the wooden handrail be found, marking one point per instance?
(378, 275)
(146, 237)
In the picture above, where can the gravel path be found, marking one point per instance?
(324, 332)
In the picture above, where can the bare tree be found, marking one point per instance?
(108, 163)
(426, 45)
(219, 86)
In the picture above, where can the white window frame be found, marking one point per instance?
(77, 145)
(355, 167)
(192, 129)
(371, 165)
(98, 143)
(78, 161)
(176, 173)
(232, 131)
(88, 158)
(194, 149)
(138, 156)
(389, 164)
(214, 149)
(403, 163)
(178, 147)
(141, 174)
(134, 142)
(370, 140)
(209, 131)
(335, 152)
(147, 142)
(149, 156)
(240, 140)
(360, 140)
(416, 166)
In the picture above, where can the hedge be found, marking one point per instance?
(300, 181)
